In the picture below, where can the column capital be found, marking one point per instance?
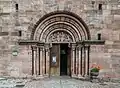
(41, 48)
(47, 46)
(73, 46)
(80, 45)
(87, 45)
(34, 47)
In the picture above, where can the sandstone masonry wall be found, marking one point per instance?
(104, 20)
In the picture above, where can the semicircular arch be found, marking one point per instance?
(75, 26)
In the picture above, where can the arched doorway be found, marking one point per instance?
(56, 51)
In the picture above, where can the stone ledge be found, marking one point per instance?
(92, 42)
(26, 42)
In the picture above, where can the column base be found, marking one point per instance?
(80, 76)
(46, 75)
(37, 77)
(74, 76)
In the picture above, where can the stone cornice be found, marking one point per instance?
(29, 42)
(92, 42)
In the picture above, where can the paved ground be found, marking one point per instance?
(66, 82)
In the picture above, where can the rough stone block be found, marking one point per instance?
(115, 12)
(3, 33)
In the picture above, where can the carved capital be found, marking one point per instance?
(80, 46)
(86, 46)
(47, 46)
(41, 48)
(73, 46)
(34, 48)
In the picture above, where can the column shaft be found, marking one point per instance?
(81, 66)
(88, 58)
(73, 60)
(47, 62)
(41, 63)
(32, 60)
(39, 60)
(79, 61)
(86, 52)
(76, 63)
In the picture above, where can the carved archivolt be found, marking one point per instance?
(60, 36)
(74, 26)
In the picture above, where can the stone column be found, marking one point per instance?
(86, 59)
(32, 60)
(83, 60)
(73, 60)
(37, 61)
(34, 57)
(79, 72)
(77, 60)
(47, 59)
(41, 61)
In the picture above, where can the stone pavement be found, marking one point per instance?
(67, 82)
(12, 82)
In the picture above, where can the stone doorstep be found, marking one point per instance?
(81, 78)
(73, 76)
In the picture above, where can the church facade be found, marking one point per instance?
(59, 37)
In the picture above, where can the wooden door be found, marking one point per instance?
(55, 60)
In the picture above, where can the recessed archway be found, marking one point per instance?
(57, 28)
(64, 20)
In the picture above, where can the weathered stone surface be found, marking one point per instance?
(69, 83)
(115, 12)
(3, 33)
(106, 22)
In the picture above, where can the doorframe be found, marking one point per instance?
(69, 47)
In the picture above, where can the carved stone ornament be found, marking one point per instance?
(60, 36)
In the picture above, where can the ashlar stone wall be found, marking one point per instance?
(101, 16)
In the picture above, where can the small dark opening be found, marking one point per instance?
(99, 36)
(100, 7)
(93, 2)
(20, 33)
(16, 7)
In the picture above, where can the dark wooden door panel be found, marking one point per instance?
(54, 59)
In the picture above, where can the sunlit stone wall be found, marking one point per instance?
(101, 16)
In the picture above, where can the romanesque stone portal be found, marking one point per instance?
(59, 33)
(52, 23)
